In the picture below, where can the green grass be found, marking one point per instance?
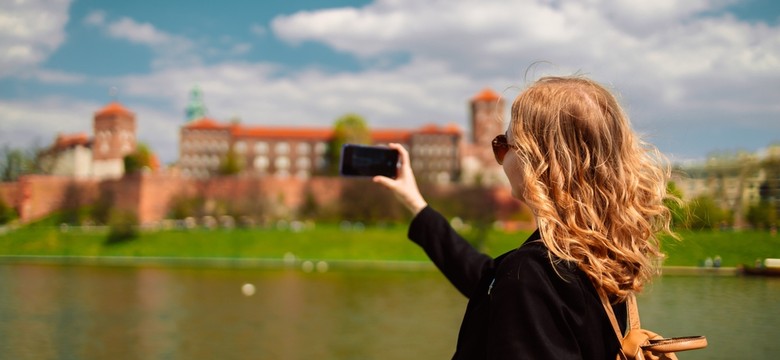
(330, 242)
(734, 247)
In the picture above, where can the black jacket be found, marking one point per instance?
(519, 307)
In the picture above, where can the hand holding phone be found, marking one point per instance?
(404, 185)
(362, 160)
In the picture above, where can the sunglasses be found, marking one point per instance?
(500, 147)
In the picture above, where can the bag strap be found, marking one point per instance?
(611, 314)
(633, 313)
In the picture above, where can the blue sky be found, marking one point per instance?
(695, 76)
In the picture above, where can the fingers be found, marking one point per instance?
(405, 162)
(404, 186)
(384, 181)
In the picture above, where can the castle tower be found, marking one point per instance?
(114, 129)
(487, 121)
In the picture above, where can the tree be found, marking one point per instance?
(101, 209)
(706, 214)
(770, 189)
(362, 200)
(123, 226)
(231, 163)
(350, 128)
(675, 205)
(138, 160)
(762, 215)
(72, 205)
(15, 162)
(7, 213)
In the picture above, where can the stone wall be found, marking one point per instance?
(150, 196)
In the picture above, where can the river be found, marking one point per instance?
(157, 312)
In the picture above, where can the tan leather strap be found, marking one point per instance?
(611, 314)
(633, 312)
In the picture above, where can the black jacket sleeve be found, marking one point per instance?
(454, 256)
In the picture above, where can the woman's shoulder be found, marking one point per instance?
(533, 259)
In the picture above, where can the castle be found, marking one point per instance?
(286, 160)
(99, 157)
(439, 154)
(284, 163)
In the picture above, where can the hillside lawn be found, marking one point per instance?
(332, 242)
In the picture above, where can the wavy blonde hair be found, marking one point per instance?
(597, 189)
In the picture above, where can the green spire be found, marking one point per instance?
(196, 109)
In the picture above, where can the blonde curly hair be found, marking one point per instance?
(597, 189)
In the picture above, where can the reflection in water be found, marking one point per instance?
(89, 312)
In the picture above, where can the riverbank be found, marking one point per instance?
(305, 265)
(333, 245)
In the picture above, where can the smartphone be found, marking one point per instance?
(362, 160)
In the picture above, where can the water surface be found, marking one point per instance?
(108, 312)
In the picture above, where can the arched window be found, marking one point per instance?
(261, 162)
(282, 162)
(261, 147)
(282, 148)
(303, 148)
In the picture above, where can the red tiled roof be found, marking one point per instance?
(206, 123)
(311, 133)
(486, 95)
(283, 132)
(113, 108)
(68, 140)
(435, 129)
(390, 135)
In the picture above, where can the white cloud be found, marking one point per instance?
(691, 81)
(675, 62)
(140, 33)
(39, 120)
(95, 18)
(30, 31)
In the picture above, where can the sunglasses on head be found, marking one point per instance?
(500, 147)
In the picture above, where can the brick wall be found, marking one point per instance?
(35, 196)
(150, 195)
(8, 192)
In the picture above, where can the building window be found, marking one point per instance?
(261, 162)
(261, 147)
(303, 163)
(303, 148)
(240, 147)
(282, 162)
(282, 148)
(320, 148)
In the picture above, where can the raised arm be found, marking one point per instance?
(455, 257)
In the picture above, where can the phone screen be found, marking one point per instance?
(361, 160)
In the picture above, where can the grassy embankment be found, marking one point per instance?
(330, 242)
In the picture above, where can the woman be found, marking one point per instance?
(596, 192)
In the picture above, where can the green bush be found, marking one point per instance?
(7, 213)
(123, 226)
(705, 214)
